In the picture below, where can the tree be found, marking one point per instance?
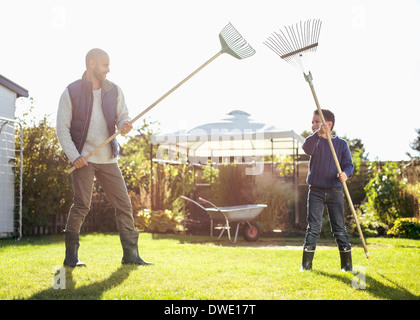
(415, 145)
(357, 147)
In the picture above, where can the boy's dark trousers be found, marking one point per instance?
(333, 200)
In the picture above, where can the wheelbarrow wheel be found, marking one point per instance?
(251, 231)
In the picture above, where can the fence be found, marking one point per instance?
(94, 221)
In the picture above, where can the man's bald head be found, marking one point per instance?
(95, 54)
(97, 66)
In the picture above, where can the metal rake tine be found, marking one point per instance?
(309, 35)
(289, 45)
(281, 44)
(277, 44)
(273, 45)
(314, 35)
(311, 32)
(301, 34)
(318, 30)
(293, 38)
(285, 47)
(297, 35)
(307, 29)
(285, 44)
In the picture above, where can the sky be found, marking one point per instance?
(366, 68)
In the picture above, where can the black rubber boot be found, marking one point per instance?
(72, 247)
(345, 257)
(129, 242)
(308, 256)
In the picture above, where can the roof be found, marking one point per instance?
(237, 136)
(20, 91)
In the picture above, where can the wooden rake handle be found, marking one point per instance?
(346, 190)
(149, 107)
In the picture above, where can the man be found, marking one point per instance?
(88, 113)
(325, 189)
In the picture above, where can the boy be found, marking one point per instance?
(325, 188)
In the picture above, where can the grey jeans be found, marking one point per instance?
(110, 179)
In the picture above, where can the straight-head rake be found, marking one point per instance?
(293, 44)
(232, 43)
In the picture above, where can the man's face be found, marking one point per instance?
(101, 67)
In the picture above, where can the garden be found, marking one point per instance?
(188, 264)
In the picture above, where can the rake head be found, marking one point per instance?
(294, 42)
(234, 44)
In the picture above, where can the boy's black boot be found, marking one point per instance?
(71, 240)
(345, 257)
(129, 242)
(308, 256)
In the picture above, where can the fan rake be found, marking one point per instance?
(232, 43)
(294, 44)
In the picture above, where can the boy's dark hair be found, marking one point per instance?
(328, 115)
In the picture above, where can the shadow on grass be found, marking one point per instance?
(92, 291)
(377, 288)
(263, 241)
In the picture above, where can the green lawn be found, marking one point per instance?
(192, 267)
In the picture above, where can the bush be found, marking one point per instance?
(369, 223)
(233, 186)
(275, 195)
(387, 193)
(160, 221)
(406, 228)
(46, 185)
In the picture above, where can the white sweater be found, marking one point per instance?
(98, 132)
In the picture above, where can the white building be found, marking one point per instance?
(9, 92)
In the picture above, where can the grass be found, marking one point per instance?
(195, 268)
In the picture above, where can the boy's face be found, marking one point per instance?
(316, 123)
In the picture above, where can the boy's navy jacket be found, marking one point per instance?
(322, 171)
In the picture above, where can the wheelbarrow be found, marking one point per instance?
(226, 215)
